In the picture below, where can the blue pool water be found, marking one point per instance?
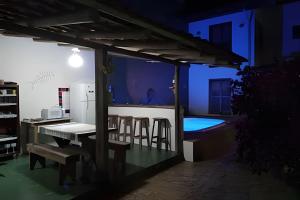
(198, 124)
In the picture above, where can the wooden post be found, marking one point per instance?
(178, 121)
(101, 115)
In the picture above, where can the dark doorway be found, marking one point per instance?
(220, 96)
(221, 35)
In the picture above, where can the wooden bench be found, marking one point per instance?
(65, 157)
(119, 148)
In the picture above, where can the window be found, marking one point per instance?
(296, 32)
(221, 35)
(220, 96)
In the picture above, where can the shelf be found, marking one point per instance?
(8, 104)
(9, 86)
(2, 155)
(8, 95)
(8, 138)
(8, 117)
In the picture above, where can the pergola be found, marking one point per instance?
(108, 29)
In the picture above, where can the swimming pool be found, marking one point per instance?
(192, 124)
(207, 138)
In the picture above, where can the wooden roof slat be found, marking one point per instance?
(72, 45)
(14, 34)
(24, 9)
(142, 44)
(78, 17)
(42, 5)
(43, 40)
(95, 24)
(178, 52)
(76, 41)
(196, 43)
(114, 35)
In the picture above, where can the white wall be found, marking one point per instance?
(200, 74)
(40, 69)
(291, 17)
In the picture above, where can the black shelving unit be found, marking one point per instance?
(9, 120)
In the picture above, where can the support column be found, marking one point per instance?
(101, 115)
(178, 120)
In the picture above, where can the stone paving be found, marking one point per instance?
(222, 179)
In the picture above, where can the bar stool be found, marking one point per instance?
(113, 123)
(127, 122)
(144, 123)
(162, 123)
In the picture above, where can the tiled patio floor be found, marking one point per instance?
(222, 179)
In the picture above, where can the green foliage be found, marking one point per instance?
(268, 99)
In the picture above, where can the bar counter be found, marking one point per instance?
(150, 111)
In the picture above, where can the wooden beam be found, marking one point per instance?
(190, 58)
(43, 40)
(182, 54)
(79, 17)
(101, 115)
(178, 121)
(76, 41)
(114, 36)
(173, 51)
(14, 34)
(142, 44)
(73, 46)
(217, 63)
(156, 28)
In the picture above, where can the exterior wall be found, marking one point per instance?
(291, 17)
(200, 74)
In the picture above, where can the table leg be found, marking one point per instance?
(36, 134)
(159, 135)
(61, 142)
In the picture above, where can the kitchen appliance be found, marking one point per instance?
(52, 113)
(83, 103)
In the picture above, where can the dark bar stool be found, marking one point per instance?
(113, 123)
(162, 123)
(127, 122)
(144, 123)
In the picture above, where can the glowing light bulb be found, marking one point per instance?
(75, 60)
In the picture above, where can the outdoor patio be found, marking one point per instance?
(223, 178)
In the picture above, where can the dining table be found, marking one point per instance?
(79, 134)
(64, 133)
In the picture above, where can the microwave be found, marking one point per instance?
(52, 113)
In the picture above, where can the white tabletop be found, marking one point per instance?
(70, 131)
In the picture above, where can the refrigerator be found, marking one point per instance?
(83, 103)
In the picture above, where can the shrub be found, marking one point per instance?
(268, 98)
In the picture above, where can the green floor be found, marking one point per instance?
(18, 182)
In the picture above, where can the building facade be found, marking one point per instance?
(263, 36)
(233, 31)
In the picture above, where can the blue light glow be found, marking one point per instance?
(196, 124)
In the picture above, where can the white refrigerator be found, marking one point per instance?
(83, 103)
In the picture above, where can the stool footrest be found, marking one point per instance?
(143, 137)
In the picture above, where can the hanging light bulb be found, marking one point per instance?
(75, 60)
